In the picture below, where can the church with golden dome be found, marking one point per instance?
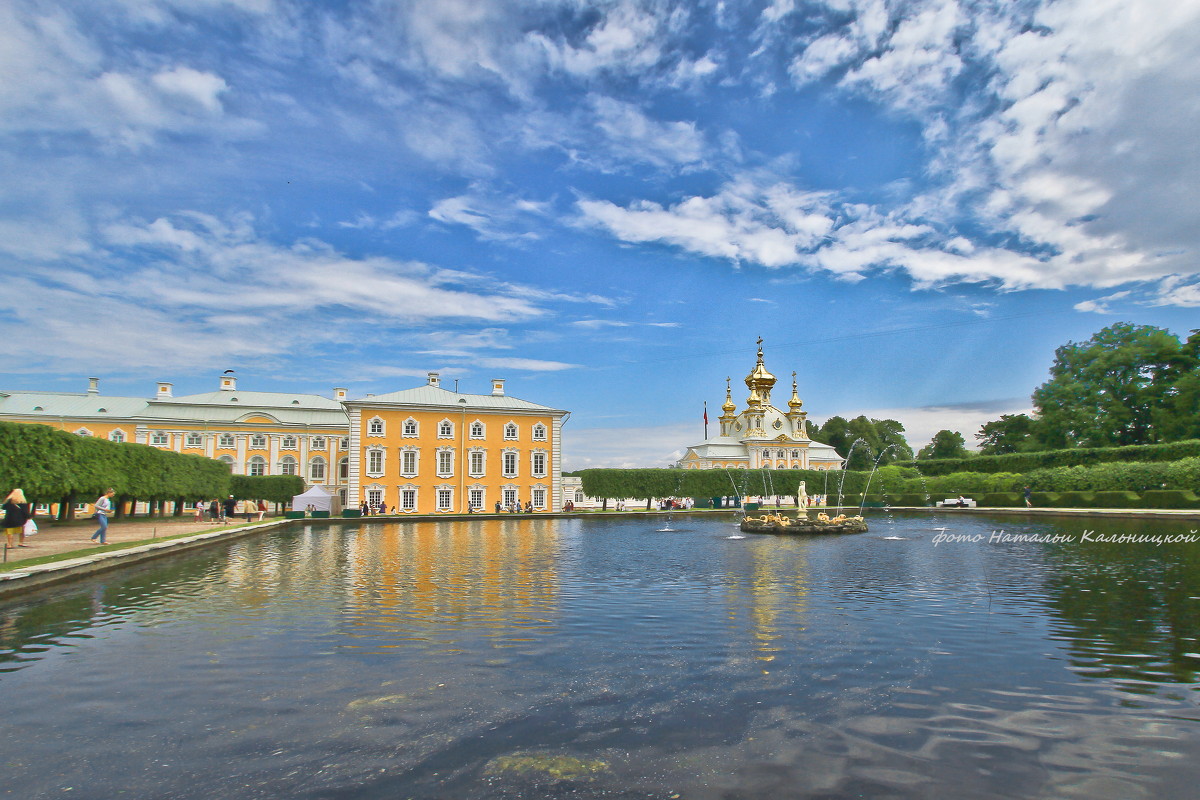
(761, 436)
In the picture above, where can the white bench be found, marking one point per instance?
(953, 502)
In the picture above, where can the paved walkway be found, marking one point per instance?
(55, 538)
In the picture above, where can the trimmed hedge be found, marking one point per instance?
(1049, 499)
(1027, 462)
(1073, 500)
(1001, 500)
(1116, 499)
(1170, 498)
(909, 500)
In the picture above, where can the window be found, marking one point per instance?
(795, 454)
(193, 440)
(539, 497)
(510, 463)
(375, 462)
(288, 466)
(375, 427)
(475, 498)
(538, 464)
(116, 436)
(408, 499)
(258, 466)
(445, 499)
(158, 438)
(344, 443)
(227, 461)
(445, 429)
(539, 432)
(580, 497)
(258, 442)
(226, 441)
(408, 462)
(477, 463)
(410, 428)
(344, 469)
(318, 443)
(316, 469)
(374, 497)
(288, 443)
(510, 496)
(510, 431)
(445, 463)
(477, 430)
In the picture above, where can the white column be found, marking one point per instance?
(355, 453)
(273, 443)
(303, 440)
(239, 465)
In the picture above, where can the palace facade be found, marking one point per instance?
(391, 448)
(761, 436)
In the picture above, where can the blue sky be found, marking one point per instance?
(604, 203)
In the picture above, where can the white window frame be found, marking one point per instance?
(344, 468)
(512, 431)
(159, 439)
(319, 443)
(288, 443)
(313, 463)
(227, 460)
(344, 443)
(408, 494)
(226, 441)
(83, 432)
(258, 442)
(445, 462)
(377, 455)
(376, 426)
(476, 497)
(537, 496)
(256, 463)
(509, 495)
(478, 430)
(416, 462)
(539, 433)
(444, 497)
(411, 429)
(289, 466)
(117, 436)
(193, 440)
(374, 495)
(510, 457)
(445, 429)
(534, 472)
(477, 454)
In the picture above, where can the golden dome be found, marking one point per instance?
(728, 407)
(795, 403)
(760, 381)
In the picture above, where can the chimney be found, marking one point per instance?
(435, 379)
(164, 389)
(339, 394)
(497, 388)
(228, 383)
(93, 386)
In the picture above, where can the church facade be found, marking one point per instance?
(761, 436)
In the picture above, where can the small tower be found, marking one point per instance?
(728, 412)
(759, 382)
(795, 415)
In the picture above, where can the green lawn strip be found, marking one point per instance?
(107, 548)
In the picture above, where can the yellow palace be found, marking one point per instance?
(424, 450)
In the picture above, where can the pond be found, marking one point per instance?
(605, 657)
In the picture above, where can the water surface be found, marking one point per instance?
(606, 658)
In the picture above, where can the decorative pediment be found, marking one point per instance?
(258, 417)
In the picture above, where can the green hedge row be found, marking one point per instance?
(1079, 456)
(52, 465)
(272, 488)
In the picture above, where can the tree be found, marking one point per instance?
(1179, 417)
(945, 444)
(1012, 433)
(878, 437)
(1112, 389)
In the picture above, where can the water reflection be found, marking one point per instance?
(602, 658)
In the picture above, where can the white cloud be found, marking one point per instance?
(490, 215)
(922, 422)
(661, 446)
(527, 364)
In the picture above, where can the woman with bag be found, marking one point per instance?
(17, 511)
(103, 506)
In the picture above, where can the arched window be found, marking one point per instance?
(316, 469)
(288, 466)
(227, 461)
(258, 465)
(510, 431)
(83, 432)
(116, 436)
(539, 432)
(410, 427)
(477, 430)
(375, 427)
(344, 469)
(445, 429)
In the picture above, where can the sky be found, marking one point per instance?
(605, 203)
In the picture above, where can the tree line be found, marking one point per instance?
(54, 466)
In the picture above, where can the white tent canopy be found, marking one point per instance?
(316, 497)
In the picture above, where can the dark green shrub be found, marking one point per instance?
(1170, 498)
(908, 500)
(1027, 462)
(1049, 499)
(1116, 499)
(1073, 500)
(1001, 500)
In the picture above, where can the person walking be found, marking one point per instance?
(230, 509)
(103, 507)
(1028, 498)
(214, 510)
(17, 511)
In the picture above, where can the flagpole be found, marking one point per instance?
(706, 420)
